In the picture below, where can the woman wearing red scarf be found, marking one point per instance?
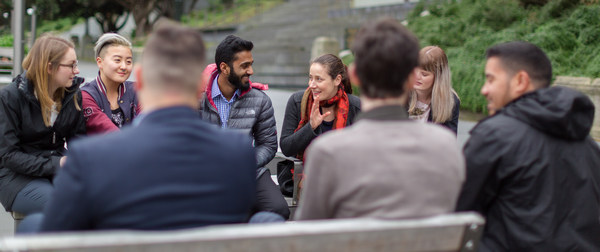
(327, 104)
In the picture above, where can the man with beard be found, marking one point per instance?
(230, 101)
(167, 170)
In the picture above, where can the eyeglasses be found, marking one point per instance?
(72, 66)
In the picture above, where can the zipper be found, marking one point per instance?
(53, 137)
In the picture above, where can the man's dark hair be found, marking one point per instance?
(520, 55)
(228, 48)
(386, 53)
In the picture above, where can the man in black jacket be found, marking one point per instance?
(532, 169)
(231, 102)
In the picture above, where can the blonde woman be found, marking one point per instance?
(40, 111)
(433, 99)
(109, 101)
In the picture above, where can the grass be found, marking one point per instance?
(57, 26)
(46, 26)
(567, 30)
(218, 16)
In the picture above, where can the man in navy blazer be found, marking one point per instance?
(170, 169)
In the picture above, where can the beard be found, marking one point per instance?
(237, 82)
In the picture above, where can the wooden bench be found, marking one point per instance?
(451, 232)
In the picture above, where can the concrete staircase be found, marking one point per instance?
(283, 36)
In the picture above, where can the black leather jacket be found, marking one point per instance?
(533, 172)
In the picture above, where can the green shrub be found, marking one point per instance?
(219, 15)
(6, 41)
(57, 26)
(568, 32)
(553, 37)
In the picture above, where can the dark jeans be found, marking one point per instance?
(33, 197)
(269, 197)
(266, 217)
(32, 224)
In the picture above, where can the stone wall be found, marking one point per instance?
(590, 87)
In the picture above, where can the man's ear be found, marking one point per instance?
(521, 84)
(138, 84)
(352, 75)
(224, 68)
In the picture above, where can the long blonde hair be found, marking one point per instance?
(46, 53)
(433, 59)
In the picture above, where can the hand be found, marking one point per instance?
(63, 159)
(316, 118)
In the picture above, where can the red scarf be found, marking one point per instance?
(341, 103)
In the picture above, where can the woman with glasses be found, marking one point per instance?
(109, 101)
(39, 111)
(433, 99)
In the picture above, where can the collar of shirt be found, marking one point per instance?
(384, 113)
(217, 92)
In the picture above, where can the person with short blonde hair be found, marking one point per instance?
(433, 99)
(170, 169)
(109, 101)
(40, 111)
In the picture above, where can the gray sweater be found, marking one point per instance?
(382, 167)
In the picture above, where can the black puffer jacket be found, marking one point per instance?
(251, 112)
(534, 173)
(29, 149)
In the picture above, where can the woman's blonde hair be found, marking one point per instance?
(46, 53)
(433, 59)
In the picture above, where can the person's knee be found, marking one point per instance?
(269, 197)
(282, 209)
(266, 217)
(33, 197)
(31, 224)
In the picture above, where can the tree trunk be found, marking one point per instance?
(141, 10)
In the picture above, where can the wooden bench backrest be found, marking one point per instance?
(452, 232)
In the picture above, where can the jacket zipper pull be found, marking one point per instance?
(53, 137)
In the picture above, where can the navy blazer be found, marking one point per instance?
(169, 170)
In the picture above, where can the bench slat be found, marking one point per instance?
(440, 233)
